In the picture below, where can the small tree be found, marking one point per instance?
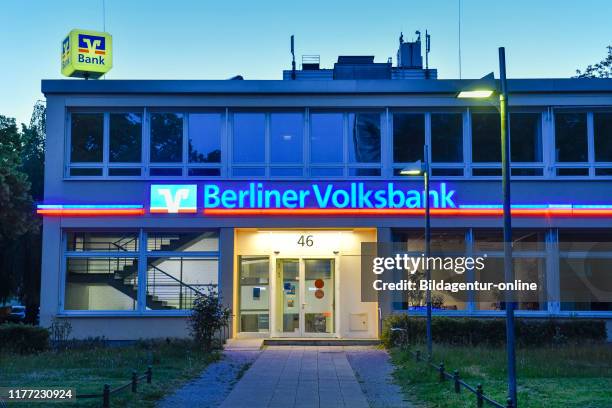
(208, 317)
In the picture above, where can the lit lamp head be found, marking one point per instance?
(475, 94)
(414, 169)
(482, 88)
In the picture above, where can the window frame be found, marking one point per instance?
(142, 255)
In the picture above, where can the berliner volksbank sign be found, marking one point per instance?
(291, 195)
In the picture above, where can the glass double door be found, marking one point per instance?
(305, 297)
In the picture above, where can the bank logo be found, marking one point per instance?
(92, 44)
(65, 52)
(173, 198)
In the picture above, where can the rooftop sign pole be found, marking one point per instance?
(87, 54)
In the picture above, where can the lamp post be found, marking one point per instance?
(508, 264)
(416, 169)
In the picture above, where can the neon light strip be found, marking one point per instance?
(442, 212)
(90, 209)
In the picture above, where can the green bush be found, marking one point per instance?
(492, 332)
(23, 338)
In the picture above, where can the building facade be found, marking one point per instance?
(266, 190)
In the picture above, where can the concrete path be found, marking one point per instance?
(298, 376)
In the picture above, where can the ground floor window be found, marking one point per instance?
(254, 293)
(111, 271)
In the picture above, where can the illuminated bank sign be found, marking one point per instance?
(295, 195)
(86, 54)
(173, 199)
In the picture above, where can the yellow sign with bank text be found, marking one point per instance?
(87, 54)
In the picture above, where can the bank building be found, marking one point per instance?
(266, 190)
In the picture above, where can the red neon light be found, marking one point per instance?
(91, 212)
(443, 212)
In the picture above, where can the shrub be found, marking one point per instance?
(492, 332)
(208, 317)
(22, 338)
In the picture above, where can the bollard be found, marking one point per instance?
(510, 404)
(479, 400)
(456, 379)
(149, 374)
(441, 372)
(417, 355)
(106, 396)
(134, 381)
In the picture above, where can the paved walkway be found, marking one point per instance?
(298, 376)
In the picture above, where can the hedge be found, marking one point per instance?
(492, 332)
(22, 338)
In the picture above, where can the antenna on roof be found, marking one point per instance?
(292, 58)
(427, 49)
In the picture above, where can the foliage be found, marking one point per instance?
(568, 376)
(484, 331)
(23, 338)
(88, 364)
(60, 329)
(208, 317)
(602, 69)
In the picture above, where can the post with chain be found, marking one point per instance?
(479, 399)
(456, 380)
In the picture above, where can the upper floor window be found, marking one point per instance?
(571, 144)
(204, 138)
(408, 137)
(446, 137)
(166, 137)
(364, 137)
(86, 137)
(249, 138)
(486, 143)
(602, 123)
(287, 138)
(125, 138)
(326, 138)
(526, 137)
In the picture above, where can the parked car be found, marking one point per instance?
(17, 314)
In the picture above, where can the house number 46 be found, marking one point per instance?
(305, 240)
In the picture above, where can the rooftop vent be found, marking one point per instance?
(311, 62)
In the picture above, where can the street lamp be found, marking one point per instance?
(419, 168)
(505, 157)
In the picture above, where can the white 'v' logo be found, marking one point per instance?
(173, 204)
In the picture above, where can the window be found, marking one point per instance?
(408, 137)
(571, 137)
(287, 138)
(486, 143)
(104, 269)
(166, 137)
(364, 137)
(525, 137)
(249, 138)
(87, 132)
(125, 138)
(446, 137)
(326, 135)
(602, 122)
(254, 293)
(204, 138)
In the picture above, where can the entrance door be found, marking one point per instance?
(305, 305)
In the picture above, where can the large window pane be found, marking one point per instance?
(486, 144)
(166, 137)
(183, 241)
(249, 138)
(102, 241)
(571, 137)
(253, 292)
(408, 137)
(526, 137)
(364, 137)
(125, 137)
(326, 131)
(205, 138)
(86, 134)
(101, 283)
(286, 137)
(174, 282)
(446, 137)
(603, 136)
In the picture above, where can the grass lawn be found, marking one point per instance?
(564, 376)
(88, 369)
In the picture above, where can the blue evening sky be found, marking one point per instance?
(203, 39)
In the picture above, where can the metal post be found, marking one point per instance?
(441, 370)
(149, 374)
(479, 399)
(134, 381)
(508, 272)
(427, 250)
(456, 380)
(106, 396)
